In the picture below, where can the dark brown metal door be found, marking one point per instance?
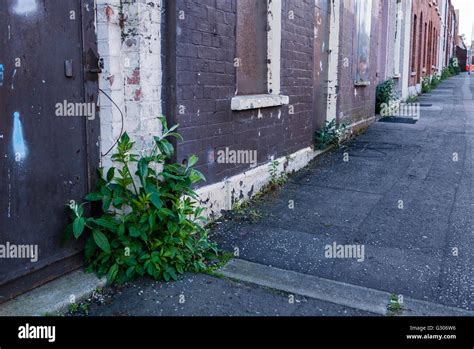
(47, 154)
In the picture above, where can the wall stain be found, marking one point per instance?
(25, 7)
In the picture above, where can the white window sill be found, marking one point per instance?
(361, 83)
(258, 101)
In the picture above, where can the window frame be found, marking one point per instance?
(272, 98)
(358, 81)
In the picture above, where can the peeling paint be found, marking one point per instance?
(134, 79)
(111, 79)
(109, 12)
(138, 95)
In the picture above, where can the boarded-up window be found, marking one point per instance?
(251, 60)
(363, 16)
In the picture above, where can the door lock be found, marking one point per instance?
(69, 68)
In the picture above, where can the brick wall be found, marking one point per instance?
(206, 83)
(452, 32)
(424, 57)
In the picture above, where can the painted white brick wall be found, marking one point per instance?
(333, 63)
(129, 41)
(443, 7)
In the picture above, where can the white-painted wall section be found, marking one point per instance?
(333, 63)
(130, 46)
(406, 47)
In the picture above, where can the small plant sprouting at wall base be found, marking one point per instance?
(239, 207)
(412, 99)
(385, 94)
(149, 223)
(435, 80)
(394, 307)
(274, 170)
(275, 178)
(331, 134)
(446, 73)
(426, 86)
(73, 307)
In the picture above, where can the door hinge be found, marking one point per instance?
(94, 64)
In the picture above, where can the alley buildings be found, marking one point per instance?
(261, 75)
(249, 77)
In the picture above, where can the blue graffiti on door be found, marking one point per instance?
(19, 145)
(2, 74)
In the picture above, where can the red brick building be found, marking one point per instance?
(426, 28)
(452, 26)
(434, 29)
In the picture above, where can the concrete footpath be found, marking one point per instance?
(400, 197)
(405, 194)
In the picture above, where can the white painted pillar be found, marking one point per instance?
(398, 39)
(274, 46)
(109, 44)
(333, 66)
(130, 47)
(406, 70)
